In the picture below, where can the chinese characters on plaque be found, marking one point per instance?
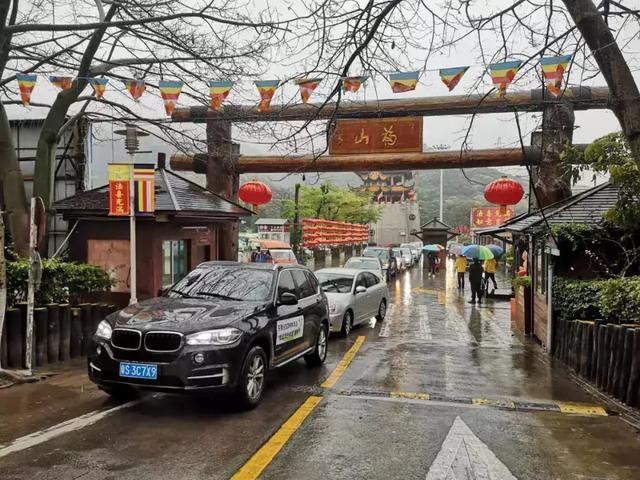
(482, 217)
(119, 202)
(379, 135)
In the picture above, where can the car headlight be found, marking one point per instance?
(104, 330)
(222, 336)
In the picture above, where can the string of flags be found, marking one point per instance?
(502, 75)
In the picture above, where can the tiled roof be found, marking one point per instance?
(272, 221)
(174, 194)
(586, 208)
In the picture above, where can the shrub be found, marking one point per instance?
(60, 282)
(615, 300)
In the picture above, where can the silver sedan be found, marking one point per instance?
(355, 296)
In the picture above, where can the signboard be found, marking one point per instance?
(119, 189)
(290, 329)
(378, 135)
(483, 217)
(273, 228)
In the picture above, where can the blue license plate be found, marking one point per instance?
(146, 371)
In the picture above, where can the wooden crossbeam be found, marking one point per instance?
(582, 98)
(367, 162)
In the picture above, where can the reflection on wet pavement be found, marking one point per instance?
(440, 389)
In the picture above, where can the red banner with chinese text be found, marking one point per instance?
(378, 135)
(483, 217)
(119, 201)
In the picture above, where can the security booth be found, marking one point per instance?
(183, 233)
(437, 233)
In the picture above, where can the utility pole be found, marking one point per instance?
(31, 285)
(131, 144)
(296, 221)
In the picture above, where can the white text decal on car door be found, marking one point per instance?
(289, 329)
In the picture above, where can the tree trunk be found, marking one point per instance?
(13, 191)
(557, 132)
(625, 97)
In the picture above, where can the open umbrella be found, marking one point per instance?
(456, 248)
(431, 248)
(497, 250)
(477, 251)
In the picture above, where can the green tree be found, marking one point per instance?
(331, 202)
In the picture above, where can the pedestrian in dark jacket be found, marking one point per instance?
(475, 280)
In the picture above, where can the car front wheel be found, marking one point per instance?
(252, 378)
(347, 323)
(319, 354)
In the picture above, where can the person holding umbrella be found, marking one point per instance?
(461, 269)
(478, 253)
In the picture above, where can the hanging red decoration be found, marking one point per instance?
(503, 191)
(256, 193)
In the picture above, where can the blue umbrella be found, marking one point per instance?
(496, 250)
(431, 248)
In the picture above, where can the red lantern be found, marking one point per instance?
(256, 193)
(503, 191)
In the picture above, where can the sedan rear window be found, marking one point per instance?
(230, 283)
(335, 282)
(362, 264)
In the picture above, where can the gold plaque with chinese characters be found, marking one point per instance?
(377, 135)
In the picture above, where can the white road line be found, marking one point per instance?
(388, 321)
(463, 455)
(424, 330)
(47, 434)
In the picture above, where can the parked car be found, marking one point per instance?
(279, 252)
(400, 260)
(389, 264)
(371, 264)
(408, 256)
(415, 252)
(354, 297)
(220, 328)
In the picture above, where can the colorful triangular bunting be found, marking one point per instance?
(170, 91)
(553, 69)
(99, 85)
(135, 87)
(218, 92)
(451, 76)
(26, 83)
(267, 89)
(404, 81)
(307, 86)
(502, 74)
(63, 83)
(353, 84)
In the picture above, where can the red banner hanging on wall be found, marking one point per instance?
(317, 232)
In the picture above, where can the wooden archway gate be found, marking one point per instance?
(223, 164)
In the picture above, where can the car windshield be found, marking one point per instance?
(363, 264)
(335, 282)
(227, 282)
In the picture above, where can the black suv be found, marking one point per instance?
(220, 328)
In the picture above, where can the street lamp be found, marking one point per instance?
(131, 144)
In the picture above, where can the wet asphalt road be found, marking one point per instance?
(403, 408)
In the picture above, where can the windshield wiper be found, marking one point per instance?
(218, 295)
(182, 294)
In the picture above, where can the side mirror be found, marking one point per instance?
(288, 298)
(361, 289)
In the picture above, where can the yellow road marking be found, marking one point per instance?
(263, 457)
(441, 298)
(344, 363)
(582, 409)
(411, 395)
(426, 290)
(494, 403)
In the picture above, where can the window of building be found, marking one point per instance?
(175, 262)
